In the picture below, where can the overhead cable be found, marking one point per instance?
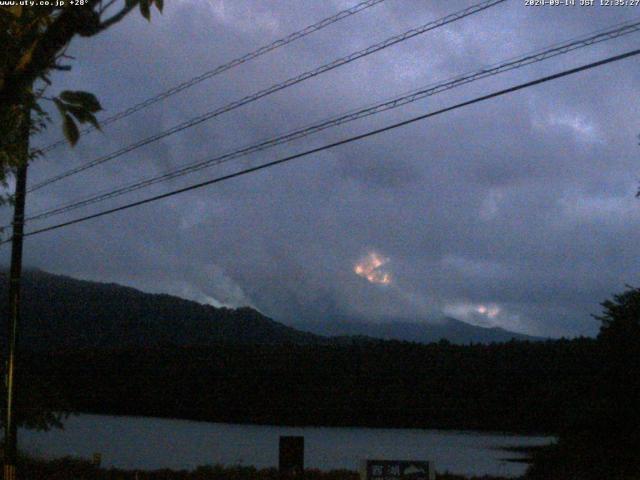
(224, 67)
(334, 144)
(511, 64)
(273, 89)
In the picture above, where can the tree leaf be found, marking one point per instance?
(144, 9)
(61, 107)
(80, 113)
(91, 118)
(70, 130)
(83, 116)
(85, 99)
(159, 5)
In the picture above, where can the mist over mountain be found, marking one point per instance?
(187, 360)
(448, 328)
(60, 312)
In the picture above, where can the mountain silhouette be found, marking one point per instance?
(60, 312)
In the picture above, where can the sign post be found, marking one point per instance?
(397, 470)
(291, 458)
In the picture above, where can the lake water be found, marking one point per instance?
(152, 443)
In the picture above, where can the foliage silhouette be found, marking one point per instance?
(602, 439)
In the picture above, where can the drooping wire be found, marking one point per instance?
(223, 68)
(273, 89)
(511, 64)
(335, 144)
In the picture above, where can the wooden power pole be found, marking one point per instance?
(13, 317)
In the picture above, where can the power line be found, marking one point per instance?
(338, 143)
(223, 68)
(514, 63)
(275, 88)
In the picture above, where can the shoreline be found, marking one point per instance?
(124, 443)
(71, 468)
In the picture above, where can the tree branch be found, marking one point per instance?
(106, 7)
(117, 17)
(55, 38)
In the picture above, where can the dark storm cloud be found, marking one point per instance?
(517, 212)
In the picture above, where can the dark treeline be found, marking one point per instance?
(76, 469)
(516, 386)
(602, 438)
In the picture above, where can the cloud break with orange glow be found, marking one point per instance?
(370, 268)
(490, 311)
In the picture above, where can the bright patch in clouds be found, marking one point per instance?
(581, 127)
(233, 15)
(371, 268)
(466, 311)
(490, 311)
(577, 123)
(489, 315)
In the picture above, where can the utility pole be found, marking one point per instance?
(13, 317)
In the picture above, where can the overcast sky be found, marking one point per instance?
(517, 212)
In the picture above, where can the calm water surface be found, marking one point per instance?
(152, 443)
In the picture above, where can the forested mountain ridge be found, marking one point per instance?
(400, 329)
(187, 360)
(60, 312)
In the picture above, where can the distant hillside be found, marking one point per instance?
(453, 330)
(64, 313)
(60, 313)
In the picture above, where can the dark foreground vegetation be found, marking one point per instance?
(518, 386)
(74, 469)
(601, 440)
(586, 391)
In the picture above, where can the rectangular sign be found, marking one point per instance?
(397, 470)
(291, 462)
